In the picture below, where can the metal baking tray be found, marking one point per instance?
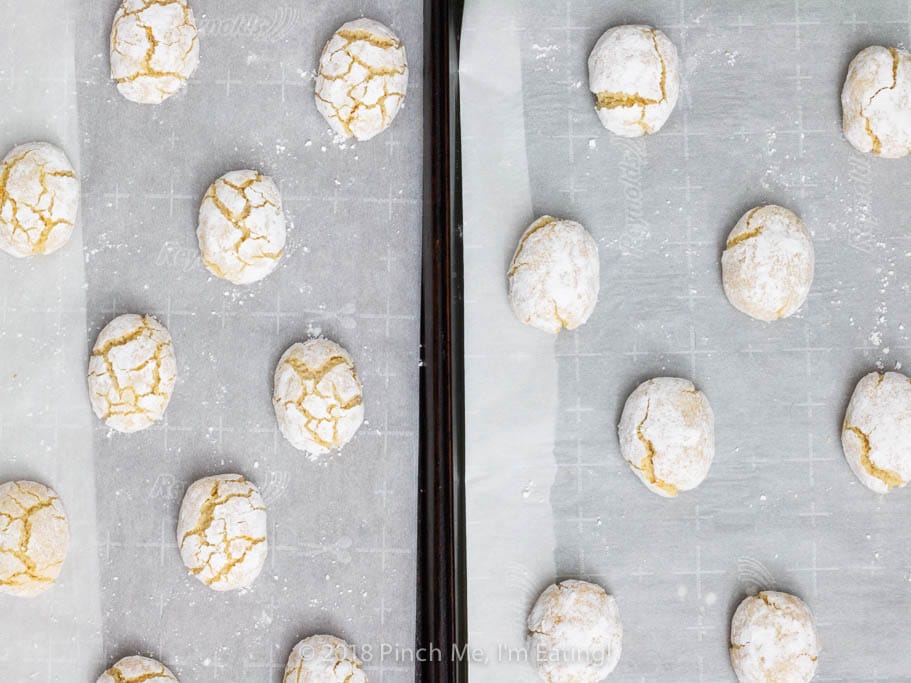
(343, 532)
(548, 495)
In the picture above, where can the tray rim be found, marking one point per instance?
(441, 632)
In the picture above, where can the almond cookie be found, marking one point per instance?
(154, 49)
(318, 399)
(241, 227)
(135, 669)
(221, 531)
(362, 78)
(323, 659)
(634, 73)
(39, 199)
(132, 372)
(667, 435)
(574, 633)
(767, 265)
(554, 277)
(876, 432)
(876, 102)
(773, 638)
(34, 537)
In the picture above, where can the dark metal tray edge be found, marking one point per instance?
(441, 630)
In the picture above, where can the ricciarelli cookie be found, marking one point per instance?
(876, 432)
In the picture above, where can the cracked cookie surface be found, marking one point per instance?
(877, 430)
(34, 537)
(768, 263)
(574, 633)
(362, 79)
(39, 199)
(554, 277)
(221, 531)
(634, 74)
(667, 435)
(323, 659)
(876, 102)
(132, 372)
(154, 49)
(137, 669)
(773, 638)
(241, 227)
(317, 396)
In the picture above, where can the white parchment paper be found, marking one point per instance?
(341, 531)
(549, 496)
(45, 417)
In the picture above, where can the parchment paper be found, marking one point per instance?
(45, 417)
(549, 496)
(342, 531)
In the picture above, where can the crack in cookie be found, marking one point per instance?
(874, 102)
(647, 464)
(874, 138)
(749, 233)
(621, 100)
(626, 67)
(888, 477)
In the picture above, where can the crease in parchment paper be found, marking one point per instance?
(511, 371)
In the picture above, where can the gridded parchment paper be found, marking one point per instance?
(758, 122)
(341, 531)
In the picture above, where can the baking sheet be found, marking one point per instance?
(758, 121)
(342, 532)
